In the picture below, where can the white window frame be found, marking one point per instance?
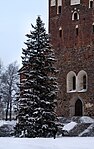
(90, 2)
(59, 4)
(75, 2)
(80, 81)
(70, 76)
(78, 17)
(53, 2)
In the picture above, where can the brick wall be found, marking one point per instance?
(74, 53)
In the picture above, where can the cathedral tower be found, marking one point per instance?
(71, 25)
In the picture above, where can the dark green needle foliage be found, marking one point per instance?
(38, 87)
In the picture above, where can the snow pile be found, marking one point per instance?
(47, 143)
(88, 132)
(2, 122)
(86, 119)
(7, 128)
(69, 126)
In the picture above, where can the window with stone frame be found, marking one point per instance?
(93, 27)
(59, 6)
(90, 3)
(76, 30)
(60, 32)
(75, 15)
(77, 83)
(82, 81)
(71, 82)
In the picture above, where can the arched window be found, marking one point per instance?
(76, 30)
(93, 27)
(71, 81)
(90, 3)
(59, 6)
(82, 81)
(75, 16)
(60, 32)
(78, 108)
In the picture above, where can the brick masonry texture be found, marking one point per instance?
(73, 52)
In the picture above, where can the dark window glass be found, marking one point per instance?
(60, 33)
(75, 16)
(84, 82)
(91, 4)
(59, 9)
(74, 82)
(93, 28)
(77, 31)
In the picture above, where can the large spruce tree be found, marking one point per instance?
(38, 87)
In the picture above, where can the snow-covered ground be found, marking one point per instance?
(2, 122)
(48, 143)
(51, 143)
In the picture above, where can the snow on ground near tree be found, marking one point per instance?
(86, 119)
(3, 122)
(69, 126)
(48, 143)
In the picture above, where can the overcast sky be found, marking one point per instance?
(16, 17)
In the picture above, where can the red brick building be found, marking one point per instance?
(71, 25)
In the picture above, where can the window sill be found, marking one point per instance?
(72, 91)
(83, 90)
(80, 91)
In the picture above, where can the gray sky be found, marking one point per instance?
(16, 17)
